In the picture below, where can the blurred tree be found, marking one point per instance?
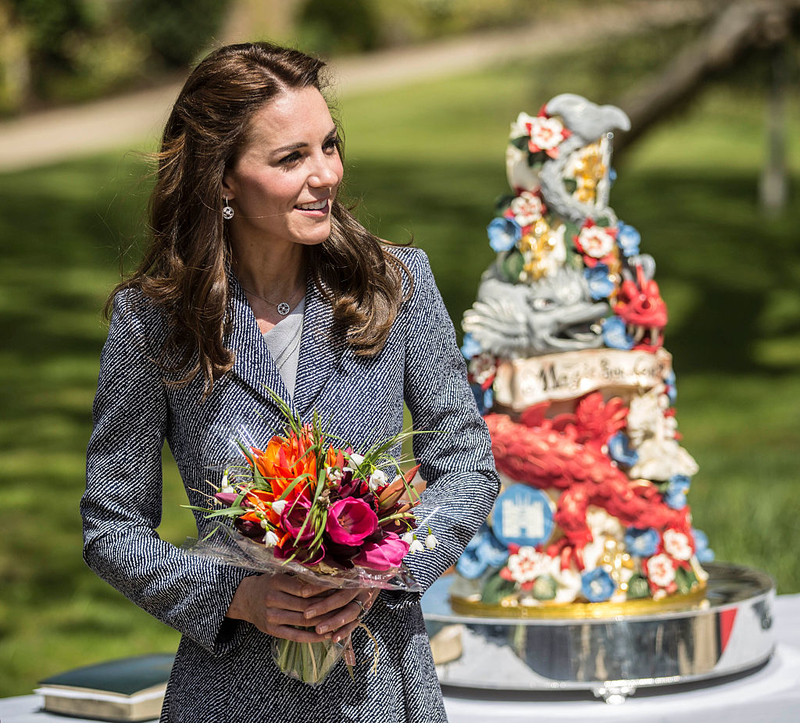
(14, 64)
(344, 26)
(179, 29)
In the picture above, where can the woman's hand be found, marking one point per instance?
(280, 605)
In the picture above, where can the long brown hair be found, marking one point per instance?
(184, 270)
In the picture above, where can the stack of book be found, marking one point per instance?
(130, 689)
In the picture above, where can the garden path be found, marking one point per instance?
(136, 118)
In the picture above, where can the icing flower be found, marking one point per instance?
(643, 543)
(600, 284)
(660, 570)
(677, 545)
(483, 551)
(545, 135)
(470, 347)
(621, 451)
(615, 334)
(675, 494)
(482, 369)
(525, 565)
(628, 239)
(504, 233)
(701, 549)
(671, 389)
(527, 208)
(596, 242)
(597, 585)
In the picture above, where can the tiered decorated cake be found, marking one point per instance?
(566, 358)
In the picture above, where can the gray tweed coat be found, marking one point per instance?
(224, 671)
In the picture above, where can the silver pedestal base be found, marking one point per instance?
(728, 633)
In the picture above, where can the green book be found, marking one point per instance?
(129, 689)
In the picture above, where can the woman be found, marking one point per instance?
(257, 277)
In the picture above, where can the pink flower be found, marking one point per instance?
(350, 521)
(660, 570)
(292, 518)
(382, 555)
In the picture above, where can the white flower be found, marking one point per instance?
(354, 461)
(408, 537)
(271, 539)
(416, 546)
(520, 126)
(527, 208)
(279, 506)
(596, 241)
(518, 172)
(334, 474)
(677, 544)
(431, 541)
(527, 564)
(482, 367)
(226, 489)
(568, 581)
(225, 482)
(546, 133)
(660, 570)
(377, 479)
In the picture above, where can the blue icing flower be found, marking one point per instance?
(669, 383)
(483, 551)
(643, 543)
(599, 281)
(503, 233)
(675, 494)
(470, 347)
(615, 335)
(597, 585)
(484, 398)
(701, 549)
(628, 239)
(620, 450)
(612, 174)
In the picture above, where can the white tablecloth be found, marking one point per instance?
(771, 695)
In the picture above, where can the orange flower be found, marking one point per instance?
(286, 459)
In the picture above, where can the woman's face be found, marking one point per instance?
(285, 178)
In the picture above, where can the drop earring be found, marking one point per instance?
(227, 210)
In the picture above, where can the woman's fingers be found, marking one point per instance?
(347, 617)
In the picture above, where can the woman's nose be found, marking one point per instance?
(327, 172)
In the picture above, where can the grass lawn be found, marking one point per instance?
(428, 161)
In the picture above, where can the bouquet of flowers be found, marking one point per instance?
(321, 512)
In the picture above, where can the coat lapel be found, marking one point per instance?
(321, 350)
(253, 365)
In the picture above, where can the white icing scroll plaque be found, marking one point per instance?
(568, 375)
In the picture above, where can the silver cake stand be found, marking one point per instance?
(727, 633)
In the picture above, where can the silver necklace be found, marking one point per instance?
(283, 307)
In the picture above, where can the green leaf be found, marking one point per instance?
(512, 264)
(571, 185)
(638, 587)
(686, 580)
(545, 588)
(496, 588)
(521, 142)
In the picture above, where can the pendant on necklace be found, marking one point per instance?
(284, 308)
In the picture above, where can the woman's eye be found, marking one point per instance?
(332, 144)
(290, 159)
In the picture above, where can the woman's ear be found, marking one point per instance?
(228, 185)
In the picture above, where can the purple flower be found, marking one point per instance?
(293, 518)
(615, 335)
(599, 281)
(628, 239)
(384, 554)
(350, 521)
(503, 233)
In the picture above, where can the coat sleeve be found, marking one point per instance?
(121, 507)
(456, 458)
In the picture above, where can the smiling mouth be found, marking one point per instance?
(315, 206)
